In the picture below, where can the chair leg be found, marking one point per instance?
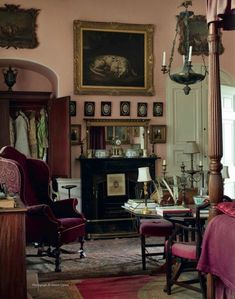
(168, 273)
(82, 253)
(202, 281)
(142, 238)
(56, 252)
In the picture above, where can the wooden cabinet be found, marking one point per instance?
(12, 253)
(59, 154)
(104, 213)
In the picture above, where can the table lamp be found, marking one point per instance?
(144, 176)
(225, 173)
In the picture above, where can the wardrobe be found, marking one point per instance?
(57, 109)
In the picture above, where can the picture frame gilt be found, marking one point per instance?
(157, 134)
(198, 34)
(18, 27)
(113, 58)
(116, 184)
(75, 134)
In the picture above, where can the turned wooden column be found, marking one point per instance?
(215, 144)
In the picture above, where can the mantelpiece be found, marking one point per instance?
(104, 213)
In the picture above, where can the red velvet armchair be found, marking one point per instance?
(48, 223)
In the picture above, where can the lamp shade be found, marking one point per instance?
(225, 173)
(144, 175)
(191, 148)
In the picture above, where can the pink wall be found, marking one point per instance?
(55, 50)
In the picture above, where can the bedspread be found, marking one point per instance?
(218, 250)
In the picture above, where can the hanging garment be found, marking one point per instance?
(33, 135)
(22, 129)
(12, 132)
(42, 135)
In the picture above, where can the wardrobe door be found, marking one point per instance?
(4, 123)
(59, 138)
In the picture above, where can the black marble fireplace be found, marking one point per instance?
(104, 213)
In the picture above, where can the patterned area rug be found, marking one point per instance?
(112, 257)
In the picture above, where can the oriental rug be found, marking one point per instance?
(125, 287)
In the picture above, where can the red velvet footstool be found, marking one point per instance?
(153, 228)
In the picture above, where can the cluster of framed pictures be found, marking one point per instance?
(125, 108)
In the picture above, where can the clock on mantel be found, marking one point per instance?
(116, 148)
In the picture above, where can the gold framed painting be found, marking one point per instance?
(198, 34)
(75, 134)
(157, 134)
(116, 184)
(113, 58)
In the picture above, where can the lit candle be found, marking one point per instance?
(190, 54)
(164, 162)
(164, 58)
(200, 163)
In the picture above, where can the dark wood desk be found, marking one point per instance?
(12, 253)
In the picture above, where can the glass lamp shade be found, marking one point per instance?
(191, 148)
(144, 175)
(225, 173)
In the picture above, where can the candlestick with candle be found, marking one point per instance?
(190, 54)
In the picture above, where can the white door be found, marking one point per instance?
(228, 120)
(187, 121)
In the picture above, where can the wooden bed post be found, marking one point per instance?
(215, 144)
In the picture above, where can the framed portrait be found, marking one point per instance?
(89, 108)
(106, 108)
(18, 27)
(125, 108)
(142, 109)
(75, 134)
(198, 33)
(158, 109)
(157, 134)
(116, 184)
(113, 58)
(72, 108)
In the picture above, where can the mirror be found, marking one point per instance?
(117, 137)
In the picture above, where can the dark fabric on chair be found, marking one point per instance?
(47, 222)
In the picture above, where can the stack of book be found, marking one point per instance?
(7, 203)
(172, 210)
(138, 205)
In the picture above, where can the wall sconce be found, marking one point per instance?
(186, 76)
(144, 176)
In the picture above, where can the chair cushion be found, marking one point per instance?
(184, 250)
(227, 208)
(155, 227)
(72, 228)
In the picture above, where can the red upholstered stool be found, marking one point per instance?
(153, 228)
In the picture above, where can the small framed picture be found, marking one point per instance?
(157, 134)
(142, 109)
(125, 108)
(158, 109)
(106, 108)
(116, 184)
(72, 108)
(75, 134)
(89, 108)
